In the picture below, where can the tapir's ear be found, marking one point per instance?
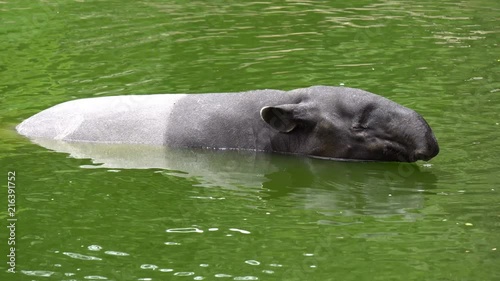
(282, 117)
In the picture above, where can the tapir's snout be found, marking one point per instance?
(427, 154)
(428, 149)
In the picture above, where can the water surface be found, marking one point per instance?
(122, 213)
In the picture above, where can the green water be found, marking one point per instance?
(119, 214)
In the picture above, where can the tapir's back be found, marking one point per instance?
(133, 118)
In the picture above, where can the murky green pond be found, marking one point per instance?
(97, 213)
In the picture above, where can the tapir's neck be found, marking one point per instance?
(228, 121)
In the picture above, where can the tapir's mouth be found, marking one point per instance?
(397, 152)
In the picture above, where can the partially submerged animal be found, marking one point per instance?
(322, 121)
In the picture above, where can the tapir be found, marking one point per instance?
(319, 121)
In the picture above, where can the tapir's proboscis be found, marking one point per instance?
(320, 121)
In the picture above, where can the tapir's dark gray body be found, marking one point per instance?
(323, 121)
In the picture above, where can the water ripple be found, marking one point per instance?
(240, 230)
(172, 243)
(115, 253)
(252, 262)
(149, 266)
(165, 270)
(184, 273)
(40, 273)
(94, 248)
(185, 230)
(95, 277)
(81, 257)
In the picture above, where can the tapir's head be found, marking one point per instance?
(352, 124)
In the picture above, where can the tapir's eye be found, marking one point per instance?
(358, 127)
